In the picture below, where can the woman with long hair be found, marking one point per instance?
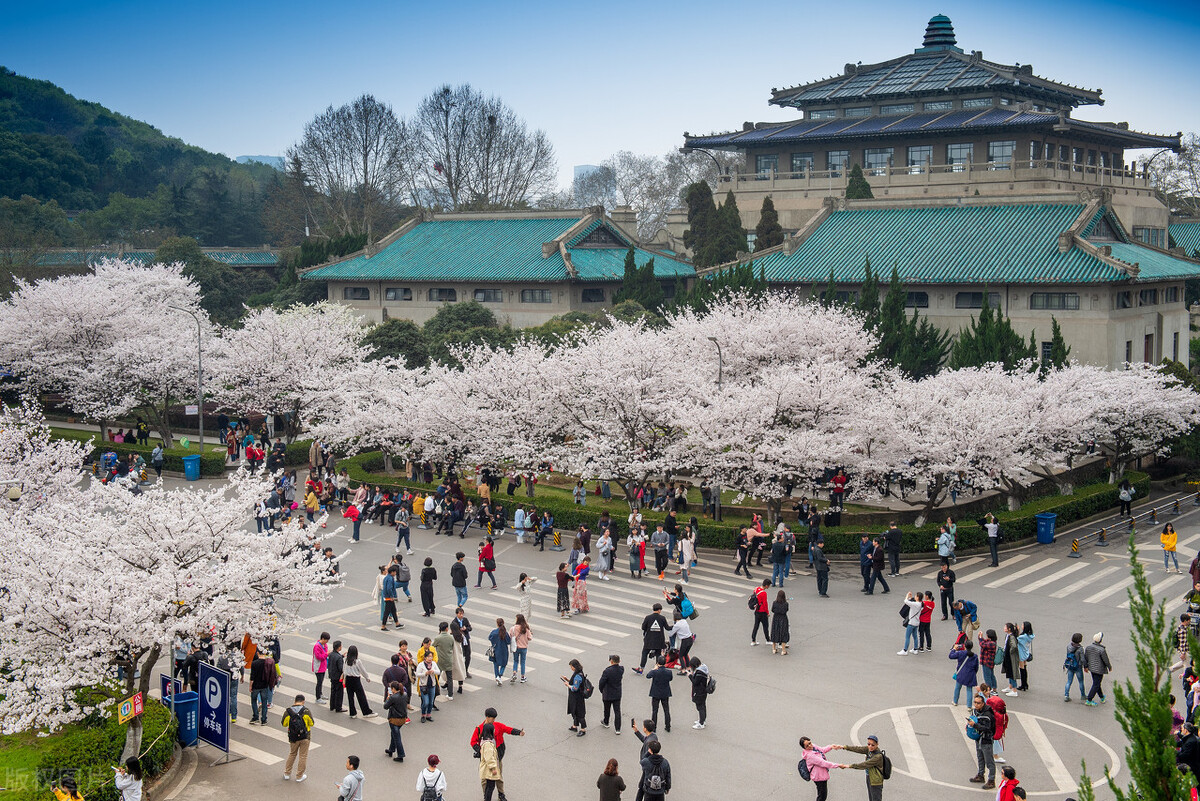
(522, 634)
(500, 640)
(575, 701)
(1025, 652)
(525, 595)
(780, 631)
(128, 780)
(610, 783)
(579, 599)
(354, 675)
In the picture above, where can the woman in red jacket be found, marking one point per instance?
(487, 563)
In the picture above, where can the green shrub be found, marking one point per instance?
(297, 453)
(211, 463)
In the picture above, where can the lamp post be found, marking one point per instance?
(199, 373)
(720, 360)
(687, 150)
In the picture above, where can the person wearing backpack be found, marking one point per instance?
(299, 722)
(578, 690)
(431, 783)
(877, 765)
(702, 685)
(656, 774)
(981, 727)
(814, 767)
(1073, 666)
(350, 788)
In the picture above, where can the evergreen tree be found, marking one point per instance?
(729, 236)
(768, 233)
(990, 339)
(857, 187)
(868, 298)
(640, 284)
(829, 296)
(702, 220)
(739, 278)
(913, 344)
(1059, 350)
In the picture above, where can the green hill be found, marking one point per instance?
(135, 184)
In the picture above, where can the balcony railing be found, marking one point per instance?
(947, 174)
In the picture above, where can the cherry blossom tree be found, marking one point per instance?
(281, 362)
(156, 563)
(109, 342)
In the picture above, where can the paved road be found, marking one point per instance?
(842, 681)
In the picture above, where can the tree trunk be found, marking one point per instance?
(161, 422)
(387, 463)
(133, 735)
(774, 512)
(936, 490)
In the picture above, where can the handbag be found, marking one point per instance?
(490, 653)
(489, 565)
(397, 721)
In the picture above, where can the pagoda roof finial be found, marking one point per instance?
(939, 34)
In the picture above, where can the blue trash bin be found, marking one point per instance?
(1045, 527)
(187, 713)
(191, 468)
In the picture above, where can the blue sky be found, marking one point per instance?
(243, 78)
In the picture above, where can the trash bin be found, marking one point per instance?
(187, 713)
(1045, 527)
(191, 468)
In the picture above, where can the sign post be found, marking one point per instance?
(214, 710)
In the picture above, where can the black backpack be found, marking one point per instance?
(297, 729)
(887, 766)
(429, 791)
(588, 689)
(802, 767)
(655, 781)
(752, 602)
(711, 687)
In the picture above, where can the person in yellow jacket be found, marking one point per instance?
(68, 791)
(311, 504)
(489, 762)
(297, 722)
(1169, 540)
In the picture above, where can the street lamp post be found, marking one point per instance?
(716, 490)
(199, 373)
(686, 150)
(720, 360)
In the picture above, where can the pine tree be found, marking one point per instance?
(912, 344)
(730, 236)
(702, 220)
(990, 339)
(768, 233)
(1059, 350)
(829, 296)
(857, 187)
(639, 283)
(740, 278)
(868, 298)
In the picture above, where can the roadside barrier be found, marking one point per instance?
(1100, 536)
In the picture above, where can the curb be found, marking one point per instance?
(168, 784)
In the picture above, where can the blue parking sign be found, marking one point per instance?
(214, 707)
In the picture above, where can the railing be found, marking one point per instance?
(1100, 535)
(962, 173)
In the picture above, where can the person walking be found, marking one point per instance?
(945, 545)
(460, 631)
(743, 553)
(981, 727)
(873, 765)
(431, 782)
(865, 552)
(780, 631)
(351, 787)
(298, 721)
(458, 579)
(965, 673)
(576, 703)
(656, 774)
(428, 576)
(813, 757)
(610, 783)
(1170, 541)
(1096, 662)
(500, 641)
(1125, 495)
(821, 563)
(877, 562)
(489, 762)
(355, 676)
(395, 706)
(524, 590)
(259, 688)
(320, 662)
(699, 675)
(521, 634)
(912, 624)
(610, 691)
(660, 692)
(925, 632)
(604, 552)
(654, 636)
(562, 600)
(427, 683)
(687, 552)
(1073, 666)
(660, 541)
(1011, 658)
(891, 539)
(336, 666)
(443, 650)
(391, 592)
(945, 582)
(760, 605)
(487, 563)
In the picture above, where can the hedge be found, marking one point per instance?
(212, 463)
(1088, 500)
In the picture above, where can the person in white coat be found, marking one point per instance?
(524, 590)
(432, 777)
(604, 548)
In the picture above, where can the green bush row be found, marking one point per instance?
(211, 463)
(1088, 500)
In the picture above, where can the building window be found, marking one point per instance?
(1091, 158)
(1077, 158)
(1151, 236)
(919, 158)
(958, 155)
(977, 102)
(939, 105)
(1064, 155)
(536, 296)
(593, 295)
(1105, 161)
(1000, 154)
(859, 111)
(802, 163)
(1047, 347)
(917, 300)
(765, 165)
(489, 295)
(1171, 294)
(1006, 101)
(822, 114)
(1035, 152)
(443, 295)
(668, 288)
(1128, 351)
(836, 160)
(356, 293)
(1175, 347)
(1148, 297)
(397, 293)
(896, 108)
(974, 300)
(1054, 301)
(1123, 300)
(1049, 155)
(878, 159)
(846, 296)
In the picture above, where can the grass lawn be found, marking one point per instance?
(19, 757)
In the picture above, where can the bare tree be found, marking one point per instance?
(355, 158)
(1177, 176)
(473, 151)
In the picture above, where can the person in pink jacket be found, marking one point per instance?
(818, 765)
(320, 661)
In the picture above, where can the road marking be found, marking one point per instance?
(1020, 574)
(342, 611)
(1157, 589)
(913, 758)
(250, 752)
(1053, 577)
(567, 634)
(1115, 588)
(989, 570)
(1050, 758)
(956, 566)
(1065, 591)
(961, 725)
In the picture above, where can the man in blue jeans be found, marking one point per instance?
(877, 561)
(259, 689)
(778, 560)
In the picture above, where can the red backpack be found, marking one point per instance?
(1000, 712)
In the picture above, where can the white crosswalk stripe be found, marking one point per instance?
(1020, 574)
(961, 564)
(1053, 577)
(1110, 590)
(991, 571)
(1084, 582)
(1157, 589)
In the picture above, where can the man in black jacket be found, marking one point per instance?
(877, 560)
(654, 636)
(460, 630)
(656, 775)
(335, 665)
(821, 562)
(1188, 755)
(892, 538)
(945, 582)
(660, 692)
(610, 691)
(984, 722)
(259, 688)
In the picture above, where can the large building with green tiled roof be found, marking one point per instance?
(526, 266)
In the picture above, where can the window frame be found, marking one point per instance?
(896, 109)
(497, 295)
(857, 111)
(800, 159)
(537, 295)
(823, 114)
(1148, 297)
(442, 294)
(938, 105)
(836, 171)
(583, 294)
(1170, 294)
(398, 294)
(997, 159)
(1054, 301)
(917, 300)
(889, 154)
(978, 102)
(916, 167)
(1122, 299)
(955, 163)
(352, 293)
(992, 297)
(766, 159)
